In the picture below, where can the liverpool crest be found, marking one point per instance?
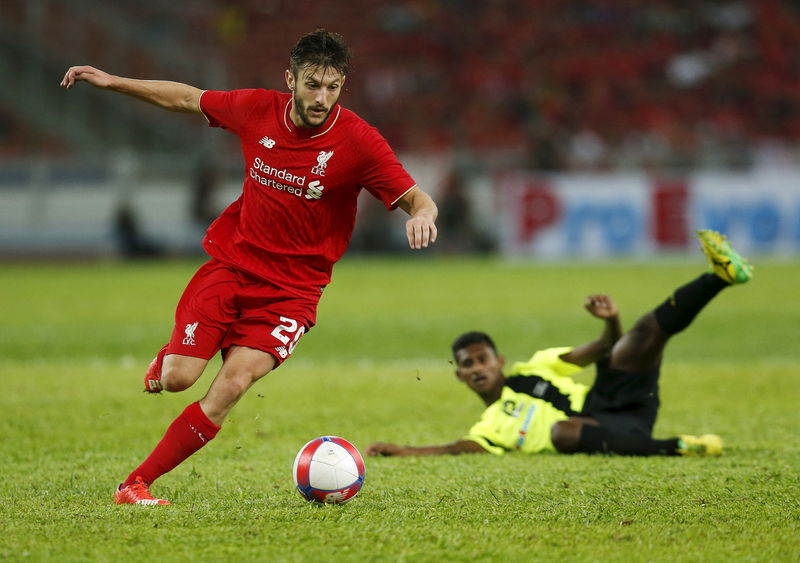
(322, 162)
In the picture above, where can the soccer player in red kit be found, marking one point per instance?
(272, 251)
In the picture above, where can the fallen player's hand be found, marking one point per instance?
(601, 306)
(382, 448)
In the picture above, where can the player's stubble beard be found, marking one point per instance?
(302, 110)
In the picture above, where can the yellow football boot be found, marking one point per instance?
(724, 260)
(707, 444)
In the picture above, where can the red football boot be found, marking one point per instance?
(137, 493)
(152, 379)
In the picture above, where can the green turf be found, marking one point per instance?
(75, 340)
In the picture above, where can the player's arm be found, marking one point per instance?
(421, 227)
(601, 307)
(455, 448)
(173, 96)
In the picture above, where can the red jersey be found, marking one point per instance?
(297, 210)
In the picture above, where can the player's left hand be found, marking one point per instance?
(421, 231)
(601, 306)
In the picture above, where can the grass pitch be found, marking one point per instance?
(76, 339)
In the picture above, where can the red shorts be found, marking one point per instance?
(222, 307)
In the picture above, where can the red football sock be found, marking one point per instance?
(187, 434)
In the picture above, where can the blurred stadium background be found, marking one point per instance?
(545, 128)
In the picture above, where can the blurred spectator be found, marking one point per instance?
(231, 26)
(204, 207)
(131, 242)
(456, 221)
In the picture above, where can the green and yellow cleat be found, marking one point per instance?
(724, 260)
(705, 445)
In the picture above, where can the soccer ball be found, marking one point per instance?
(328, 469)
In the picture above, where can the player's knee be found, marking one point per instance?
(180, 372)
(175, 380)
(238, 381)
(565, 436)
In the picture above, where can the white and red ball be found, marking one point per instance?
(328, 469)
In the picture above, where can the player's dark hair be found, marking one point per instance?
(320, 49)
(472, 337)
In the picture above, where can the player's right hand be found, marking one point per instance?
(421, 231)
(382, 448)
(93, 76)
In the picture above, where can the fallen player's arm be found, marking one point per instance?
(455, 448)
(604, 308)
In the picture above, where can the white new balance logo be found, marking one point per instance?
(282, 352)
(189, 330)
(337, 496)
(267, 142)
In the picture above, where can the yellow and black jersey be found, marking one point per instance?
(537, 394)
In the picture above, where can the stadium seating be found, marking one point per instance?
(548, 85)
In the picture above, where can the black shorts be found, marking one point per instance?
(623, 401)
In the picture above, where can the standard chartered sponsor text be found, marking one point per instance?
(282, 174)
